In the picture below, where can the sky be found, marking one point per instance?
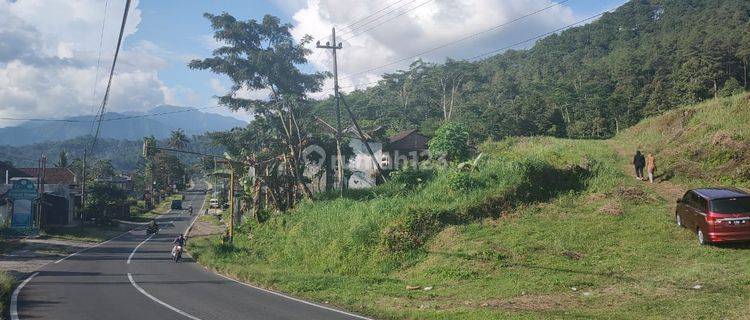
(52, 64)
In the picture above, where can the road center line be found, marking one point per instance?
(183, 313)
(138, 246)
(14, 297)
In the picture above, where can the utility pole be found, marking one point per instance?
(83, 183)
(339, 160)
(231, 202)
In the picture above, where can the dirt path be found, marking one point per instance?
(666, 189)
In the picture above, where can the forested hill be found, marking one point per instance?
(587, 82)
(124, 155)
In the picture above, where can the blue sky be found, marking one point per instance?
(163, 35)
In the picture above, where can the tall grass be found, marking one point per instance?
(6, 284)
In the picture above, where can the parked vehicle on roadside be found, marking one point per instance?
(214, 203)
(176, 205)
(715, 214)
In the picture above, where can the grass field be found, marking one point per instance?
(545, 228)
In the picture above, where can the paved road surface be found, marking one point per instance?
(99, 283)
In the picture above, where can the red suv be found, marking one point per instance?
(715, 214)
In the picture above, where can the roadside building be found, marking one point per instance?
(406, 148)
(8, 172)
(60, 191)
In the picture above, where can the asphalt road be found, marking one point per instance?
(99, 283)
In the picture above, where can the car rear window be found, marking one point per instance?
(731, 205)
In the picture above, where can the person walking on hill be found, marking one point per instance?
(639, 162)
(650, 167)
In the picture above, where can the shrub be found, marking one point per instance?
(410, 178)
(463, 181)
(451, 140)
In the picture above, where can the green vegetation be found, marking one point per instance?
(544, 228)
(451, 140)
(140, 214)
(704, 144)
(6, 285)
(587, 82)
(540, 228)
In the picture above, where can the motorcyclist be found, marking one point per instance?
(178, 242)
(190, 208)
(152, 227)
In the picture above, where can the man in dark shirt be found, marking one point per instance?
(639, 162)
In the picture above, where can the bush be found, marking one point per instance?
(463, 181)
(410, 178)
(451, 140)
(414, 228)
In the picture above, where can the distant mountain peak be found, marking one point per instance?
(158, 121)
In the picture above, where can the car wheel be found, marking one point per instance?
(701, 237)
(678, 219)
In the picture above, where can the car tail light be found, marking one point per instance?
(712, 220)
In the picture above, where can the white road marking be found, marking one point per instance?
(187, 315)
(14, 297)
(196, 216)
(91, 247)
(294, 299)
(138, 246)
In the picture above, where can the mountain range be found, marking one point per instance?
(159, 122)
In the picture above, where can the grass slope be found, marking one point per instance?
(545, 228)
(708, 143)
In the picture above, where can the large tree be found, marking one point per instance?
(263, 55)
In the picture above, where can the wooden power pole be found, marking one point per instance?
(339, 159)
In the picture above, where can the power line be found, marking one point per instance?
(473, 35)
(111, 73)
(99, 58)
(477, 57)
(386, 21)
(353, 29)
(349, 26)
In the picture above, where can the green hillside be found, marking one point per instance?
(644, 58)
(544, 228)
(708, 143)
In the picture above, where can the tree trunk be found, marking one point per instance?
(258, 190)
(293, 158)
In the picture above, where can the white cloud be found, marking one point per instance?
(48, 58)
(427, 26)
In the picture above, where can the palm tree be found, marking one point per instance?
(178, 139)
(63, 162)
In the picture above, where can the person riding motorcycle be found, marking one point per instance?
(152, 227)
(178, 242)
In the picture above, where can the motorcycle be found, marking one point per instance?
(152, 230)
(176, 253)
